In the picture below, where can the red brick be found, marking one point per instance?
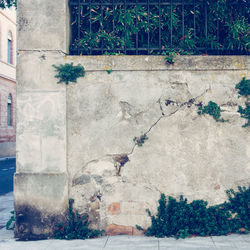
(113, 229)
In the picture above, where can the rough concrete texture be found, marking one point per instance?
(41, 202)
(184, 154)
(43, 25)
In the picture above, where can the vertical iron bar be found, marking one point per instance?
(171, 25)
(183, 19)
(218, 33)
(113, 4)
(125, 14)
(159, 25)
(102, 24)
(90, 23)
(194, 3)
(206, 21)
(78, 24)
(136, 24)
(148, 25)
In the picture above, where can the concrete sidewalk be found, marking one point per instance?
(7, 241)
(231, 242)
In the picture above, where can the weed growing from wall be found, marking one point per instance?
(109, 71)
(243, 88)
(211, 109)
(77, 226)
(10, 225)
(245, 113)
(68, 72)
(181, 219)
(139, 141)
(172, 53)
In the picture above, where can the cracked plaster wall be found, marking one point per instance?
(79, 136)
(184, 154)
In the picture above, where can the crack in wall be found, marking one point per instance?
(113, 157)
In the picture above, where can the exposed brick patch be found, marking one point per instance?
(113, 229)
(114, 208)
(217, 187)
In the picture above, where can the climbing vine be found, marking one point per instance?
(243, 88)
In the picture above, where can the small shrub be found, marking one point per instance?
(239, 205)
(245, 113)
(172, 53)
(68, 72)
(139, 141)
(181, 219)
(10, 225)
(244, 87)
(212, 109)
(109, 71)
(77, 226)
(170, 58)
(244, 90)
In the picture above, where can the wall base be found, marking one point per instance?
(41, 202)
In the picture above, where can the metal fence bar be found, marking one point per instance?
(183, 20)
(148, 25)
(194, 5)
(171, 25)
(136, 23)
(90, 22)
(160, 25)
(125, 38)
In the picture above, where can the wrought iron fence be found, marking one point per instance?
(159, 26)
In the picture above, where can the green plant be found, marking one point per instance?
(212, 109)
(77, 226)
(121, 28)
(139, 141)
(68, 72)
(244, 87)
(10, 225)
(170, 58)
(109, 71)
(181, 219)
(7, 3)
(239, 205)
(245, 113)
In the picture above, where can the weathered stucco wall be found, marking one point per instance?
(70, 138)
(185, 153)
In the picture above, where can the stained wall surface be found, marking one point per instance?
(185, 153)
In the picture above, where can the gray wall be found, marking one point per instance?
(70, 138)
